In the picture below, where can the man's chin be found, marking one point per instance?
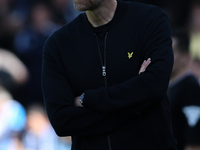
(80, 7)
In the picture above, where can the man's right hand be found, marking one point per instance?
(144, 65)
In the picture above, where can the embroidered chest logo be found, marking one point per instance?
(130, 55)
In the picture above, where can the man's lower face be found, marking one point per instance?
(84, 5)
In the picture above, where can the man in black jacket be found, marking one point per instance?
(184, 96)
(98, 56)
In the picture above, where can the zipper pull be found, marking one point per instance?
(104, 71)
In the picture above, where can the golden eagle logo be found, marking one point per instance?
(130, 55)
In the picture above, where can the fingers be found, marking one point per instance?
(144, 65)
(77, 102)
(147, 63)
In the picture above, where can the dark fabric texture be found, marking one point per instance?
(184, 94)
(132, 112)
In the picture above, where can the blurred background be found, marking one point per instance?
(24, 27)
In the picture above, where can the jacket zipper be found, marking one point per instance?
(109, 143)
(103, 64)
(103, 61)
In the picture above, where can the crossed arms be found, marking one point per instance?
(109, 107)
(142, 69)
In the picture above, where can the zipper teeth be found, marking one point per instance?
(99, 49)
(103, 63)
(109, 143)
(105, 43)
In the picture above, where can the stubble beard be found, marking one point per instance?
(84, 6)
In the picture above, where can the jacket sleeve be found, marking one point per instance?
(66, 119)
(148, 88)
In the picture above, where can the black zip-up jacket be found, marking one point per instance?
(132, 111)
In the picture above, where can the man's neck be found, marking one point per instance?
(102, 14)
